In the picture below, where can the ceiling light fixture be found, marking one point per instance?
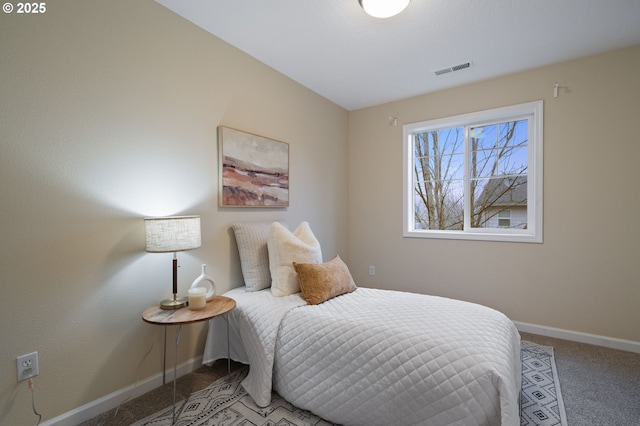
(383, 8)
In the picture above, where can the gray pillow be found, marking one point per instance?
(251, 238)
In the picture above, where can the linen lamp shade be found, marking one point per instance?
(172, 234)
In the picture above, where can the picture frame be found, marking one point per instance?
(253, 170)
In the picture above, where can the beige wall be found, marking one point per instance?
(585, 276)
(109, 112)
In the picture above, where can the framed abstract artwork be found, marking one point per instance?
(254, 170)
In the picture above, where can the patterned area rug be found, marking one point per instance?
(226, 403)
(540, 397)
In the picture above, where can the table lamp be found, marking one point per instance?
(172, 234)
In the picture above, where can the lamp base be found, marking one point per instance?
(175, 303)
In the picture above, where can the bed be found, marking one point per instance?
(374, 357)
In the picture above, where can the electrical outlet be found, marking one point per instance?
(27, 366)
(372, 270)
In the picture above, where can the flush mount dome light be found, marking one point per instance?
(383, 8)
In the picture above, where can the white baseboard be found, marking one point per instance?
(576, 336)
(106, 403)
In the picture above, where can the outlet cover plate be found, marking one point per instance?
(27, 366)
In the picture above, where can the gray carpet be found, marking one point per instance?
(600, 386)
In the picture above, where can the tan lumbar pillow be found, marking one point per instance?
(321, 282)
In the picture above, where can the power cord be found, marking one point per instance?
(33, 401)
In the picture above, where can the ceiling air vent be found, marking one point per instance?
(452, 69)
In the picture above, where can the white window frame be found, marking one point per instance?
(533, 111)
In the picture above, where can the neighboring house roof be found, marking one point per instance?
(505, 191)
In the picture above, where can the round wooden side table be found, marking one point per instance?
(219, 305)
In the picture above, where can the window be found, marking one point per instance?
(504, 219)
(475, 176)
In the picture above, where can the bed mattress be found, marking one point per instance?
(377, 357)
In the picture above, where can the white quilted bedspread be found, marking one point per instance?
(376, 357)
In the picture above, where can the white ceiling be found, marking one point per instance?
(335, 49)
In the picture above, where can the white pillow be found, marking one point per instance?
(286, 247)
(251, 238)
